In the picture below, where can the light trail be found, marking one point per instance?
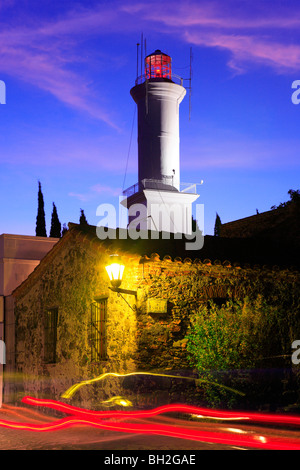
(172, 408)
(99, 419)
(70, 392)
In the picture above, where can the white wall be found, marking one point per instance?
(19, 255)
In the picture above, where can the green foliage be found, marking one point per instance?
(253, 330)
(294, 198)
(219, 339)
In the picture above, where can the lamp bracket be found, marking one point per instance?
(125, 291)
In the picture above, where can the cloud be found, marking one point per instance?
(247, 50)
(227, 15)
(242, 153)
(48, 51)
(254, 34)
(45, 58)
(95, 191)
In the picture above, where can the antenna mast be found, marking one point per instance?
(190, 80)
(142, 40)
(137, 59)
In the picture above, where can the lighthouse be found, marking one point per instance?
(156, 201)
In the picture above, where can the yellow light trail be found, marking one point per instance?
(70, 392)
(117, 401)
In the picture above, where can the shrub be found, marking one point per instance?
(227, 343)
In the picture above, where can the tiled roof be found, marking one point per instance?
(221, 251)
(283, 222)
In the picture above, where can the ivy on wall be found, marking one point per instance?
(233, 343)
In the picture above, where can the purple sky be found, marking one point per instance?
(68, 68)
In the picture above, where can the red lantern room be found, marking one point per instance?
(158, 65)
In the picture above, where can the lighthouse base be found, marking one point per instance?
(162, 211)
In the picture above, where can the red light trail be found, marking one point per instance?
(102, 420)
(176, 408)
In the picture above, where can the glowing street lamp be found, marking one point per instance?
(115, 270)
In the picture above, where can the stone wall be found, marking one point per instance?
(70, 281)
(137, 340)
(148, 343)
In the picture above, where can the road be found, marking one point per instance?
(198, 434)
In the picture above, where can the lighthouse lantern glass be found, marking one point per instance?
(158, 65)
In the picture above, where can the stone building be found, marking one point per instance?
(71, 327)
(279, 223)
(64, 325)
(271, 237)
(19, 256)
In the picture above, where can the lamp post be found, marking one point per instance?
(115, 270)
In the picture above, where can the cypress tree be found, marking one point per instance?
(218, 224)
(40, 229)
(55, 230)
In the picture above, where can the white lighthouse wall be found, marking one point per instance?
(161, 211)
(169, 212)
(158, 130)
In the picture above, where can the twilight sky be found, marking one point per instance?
(69, 120)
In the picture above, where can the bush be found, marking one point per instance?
(230, 344)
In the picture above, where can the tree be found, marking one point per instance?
(294, 195)
(82, 219)
(195, 226)
(40, 229)
(218, 224)
(64, 230)
(55, 230)
(294, 198)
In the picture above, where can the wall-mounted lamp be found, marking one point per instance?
(115, 270)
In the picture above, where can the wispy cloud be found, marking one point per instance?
(48, 56)
(242, 153)
(249, 50)
(219, 14)
(48, 52)
(253, 34)
(96, 190)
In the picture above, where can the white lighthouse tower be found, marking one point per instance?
(156, 202)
